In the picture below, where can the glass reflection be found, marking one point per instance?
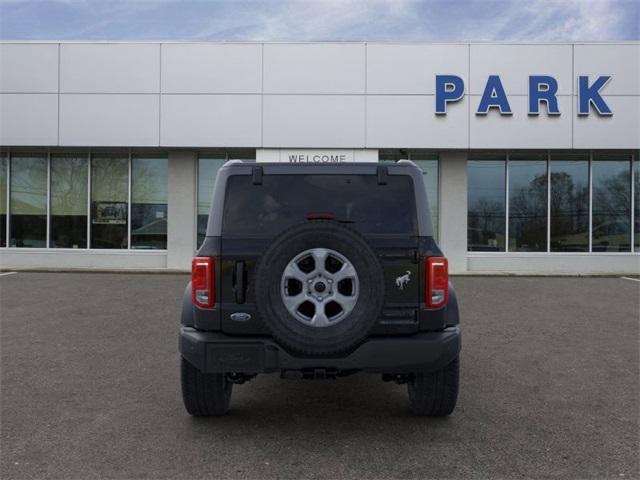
(109, 193)
(486, 205)
(611, 230)
(570, 204)
(28, 226)
(69, 201)
(275, 206)
(149, 196)
(207, 172)
(3, 200)
(636, 216)
(527, 205)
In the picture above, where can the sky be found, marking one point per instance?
(321, 20)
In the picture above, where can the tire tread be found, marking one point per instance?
(435, 394)
(204, 394)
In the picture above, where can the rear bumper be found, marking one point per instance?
(213, 352)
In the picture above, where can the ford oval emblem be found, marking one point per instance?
(240, 317)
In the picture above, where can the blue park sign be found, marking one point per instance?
(542, 89)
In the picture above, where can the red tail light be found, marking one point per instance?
(203, 285)
(436, 282)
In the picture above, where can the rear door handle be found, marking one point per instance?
(239, 282)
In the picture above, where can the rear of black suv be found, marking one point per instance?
(319, 271)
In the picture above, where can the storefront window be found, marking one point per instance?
(28, 208)
(611, 181)
(109, 194)
(247, 155)
(3, 200)
(486, 205)
(207, 172)
(392, 155)
(69, 178)
(149, 197)
(527, 203)
(569, 203)
(636, 202)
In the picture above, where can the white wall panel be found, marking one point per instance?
(514, 64)
(109, 120)
(452, 216)
(181, 204)
(313, 121)
(211, 68)
(521, 130)
(314, 68)
(411, 69)
(28, 119)
(620, 61)
(82, 259)
(555, 263)
(28, 68)
(110, 68)
(621, 130)
(211, 120)
(409, 121)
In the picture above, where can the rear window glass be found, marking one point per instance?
(285, 200)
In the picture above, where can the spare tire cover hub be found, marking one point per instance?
(319, 287)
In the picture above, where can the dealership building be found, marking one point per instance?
(109, 151)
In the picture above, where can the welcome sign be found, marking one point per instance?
(316, 156)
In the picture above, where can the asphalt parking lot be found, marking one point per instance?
(90, 389)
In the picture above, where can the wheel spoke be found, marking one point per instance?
(293, 302)
(319, 318)
(319, 257)
(346, 271)
(347, 302)
(293, 271)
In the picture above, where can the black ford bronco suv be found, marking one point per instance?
(319, 271)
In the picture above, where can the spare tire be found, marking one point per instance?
(319, 288)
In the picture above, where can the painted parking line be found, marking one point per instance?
(632, 279)
(7, 273)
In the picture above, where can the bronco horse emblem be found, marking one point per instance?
(402, 280)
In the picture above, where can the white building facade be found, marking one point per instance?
(108, 151)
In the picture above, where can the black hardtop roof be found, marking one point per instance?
(362, 168)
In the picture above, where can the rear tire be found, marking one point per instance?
(435, 394)
(204, 394)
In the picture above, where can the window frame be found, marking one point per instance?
(589, 201)
(21, 152)
(164, 155)
(631, 163)
(49, 193)
(492, 158)
(633, 160)
(89, 154)
(6, 154)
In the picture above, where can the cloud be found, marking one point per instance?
(331, 20)
(454, 20)
(571, 20)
